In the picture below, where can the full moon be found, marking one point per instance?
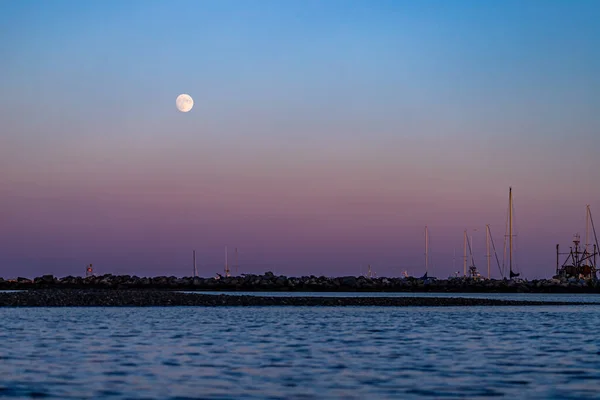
(184, 102)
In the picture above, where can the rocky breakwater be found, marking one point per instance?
(271, 282)
(149, 298)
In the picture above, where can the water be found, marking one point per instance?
(300, 352)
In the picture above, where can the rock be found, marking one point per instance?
(269, 281)
(281, 281)
(197, 281)
(349, 281)
(141, 298)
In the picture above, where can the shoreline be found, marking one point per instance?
(269, 282)
(163, 298)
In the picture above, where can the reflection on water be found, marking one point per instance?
(300, 352)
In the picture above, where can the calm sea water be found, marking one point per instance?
(300, 352)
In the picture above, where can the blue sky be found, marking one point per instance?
(383, 104)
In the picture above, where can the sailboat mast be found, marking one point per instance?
(465, 256)
(426, 250)
(510, 230)
(471, 247)
(587, 233)
(195, 269)
(454, 261)
(487, 247)
(226, 265)
(236, 262)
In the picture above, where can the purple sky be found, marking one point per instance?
(324, 136)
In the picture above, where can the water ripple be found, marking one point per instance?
(300, 353)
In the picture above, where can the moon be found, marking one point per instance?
(184, 102)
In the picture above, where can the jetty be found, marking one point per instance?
(269, 282)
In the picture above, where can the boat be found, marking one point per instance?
(581, 262)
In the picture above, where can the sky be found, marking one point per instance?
(325, 135)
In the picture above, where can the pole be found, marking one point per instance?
(587, 232)
(454, 262)
(557, 259)
(195, 270)
(595, 253)
(510, 228)
(576, 256)
(426, 250)
(472, 254)
(226, 265)
(465, 255)
(487, 247)
(236, 262)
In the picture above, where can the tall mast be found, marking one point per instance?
(487, 247)
(587, 233)
(510, 230)
(426, 250)
(465, 256)
(454, 262)
(236, 262)
(195, 269)
(471, 247)
(226, 264)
